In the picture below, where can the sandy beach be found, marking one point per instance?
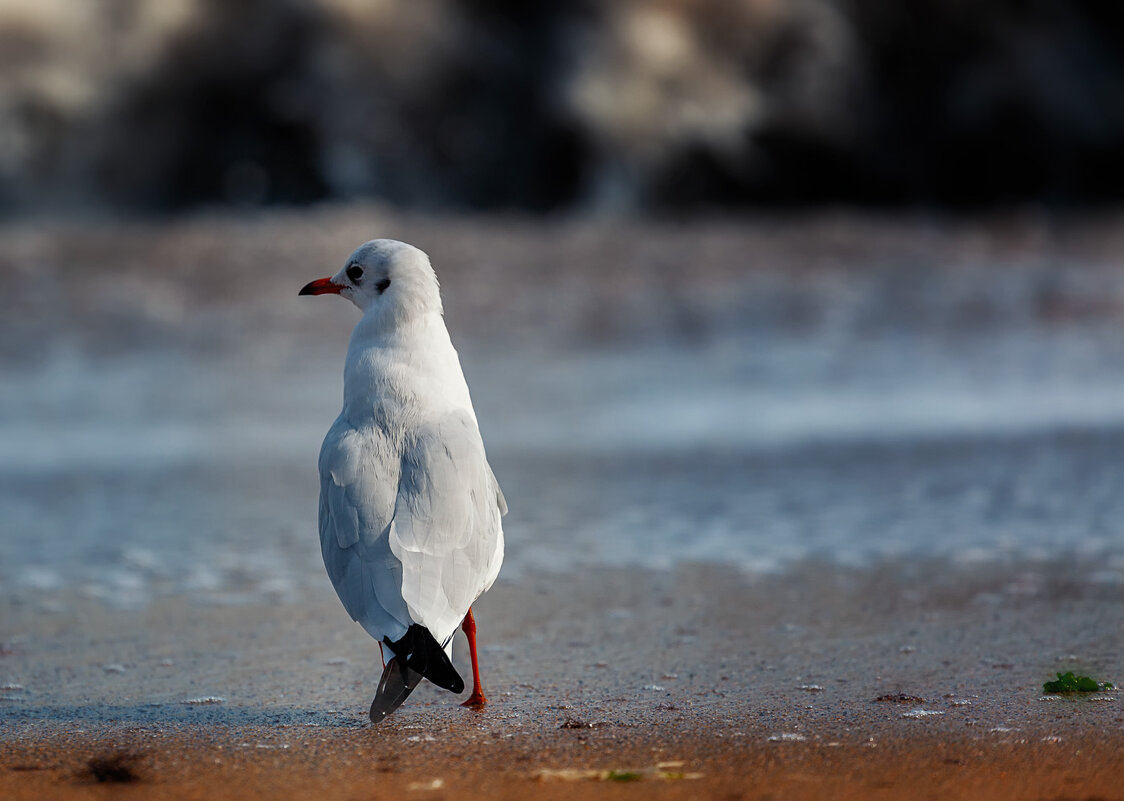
(690, 684)
(331, 768)
(814, 517)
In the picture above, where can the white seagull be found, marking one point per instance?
(409, 507)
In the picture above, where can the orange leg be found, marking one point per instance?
(477, 699)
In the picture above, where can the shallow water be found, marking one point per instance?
(760, 420)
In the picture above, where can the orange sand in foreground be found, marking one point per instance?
(594, 763)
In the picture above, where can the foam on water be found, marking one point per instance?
(736, 394)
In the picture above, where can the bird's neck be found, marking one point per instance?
(411, 370)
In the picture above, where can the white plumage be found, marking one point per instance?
(409, 507)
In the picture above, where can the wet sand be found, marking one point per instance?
(367, 766)
(697, 682)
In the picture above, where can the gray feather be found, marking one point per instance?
(355, 514)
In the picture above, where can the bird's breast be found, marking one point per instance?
(382, 388)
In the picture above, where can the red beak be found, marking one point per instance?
(321, 286)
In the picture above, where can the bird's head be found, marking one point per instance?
(386, 278)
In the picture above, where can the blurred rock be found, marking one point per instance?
(602, 104)
(681, 99)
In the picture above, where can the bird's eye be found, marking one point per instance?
(382, 285)
(354, 273)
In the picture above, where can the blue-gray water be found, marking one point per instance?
(158, 438)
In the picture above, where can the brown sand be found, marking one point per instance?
(695, 683)
(374, 764)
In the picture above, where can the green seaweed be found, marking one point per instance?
(623, 776)
(1071, 683)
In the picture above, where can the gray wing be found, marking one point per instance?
(409, 535)
(446, 529)
(359, 475)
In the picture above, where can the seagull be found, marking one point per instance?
(409, 508)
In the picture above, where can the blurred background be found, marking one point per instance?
(740, 282)
(634, 105)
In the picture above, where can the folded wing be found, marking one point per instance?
(359, 472)
(410, 531)
(446, 528)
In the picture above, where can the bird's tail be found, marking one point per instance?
(417, 655)
(395, 686)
